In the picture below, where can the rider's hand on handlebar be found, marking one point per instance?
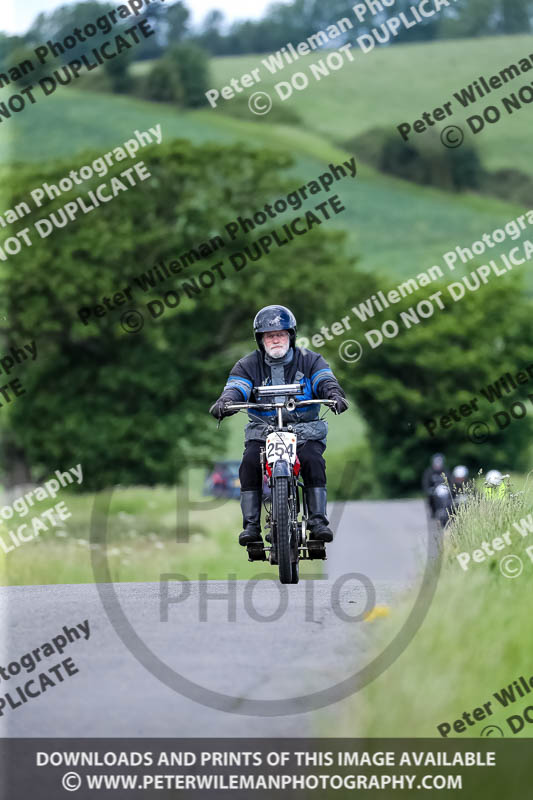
(341, 404)
(219, 410)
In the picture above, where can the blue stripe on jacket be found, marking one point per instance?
(320, 375)
(242, 384)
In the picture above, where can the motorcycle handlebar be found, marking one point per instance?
(290, 404)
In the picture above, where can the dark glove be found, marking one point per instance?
(341, 402)
(217, 409)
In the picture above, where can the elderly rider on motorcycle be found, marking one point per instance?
(278, 361)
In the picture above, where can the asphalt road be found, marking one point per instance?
(233, 645)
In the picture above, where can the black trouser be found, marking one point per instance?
(313, 466)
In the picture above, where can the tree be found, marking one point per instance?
(57, 24)
(482, 17)
(163, 83)
(118, 71)
(133, 407)
(154, 46)
(192, 65)
(211, 37)
(8, 44)
(60, 22)
(295, 21)
(438, 364)
(177, 20)
(516, 16)
(30, 78)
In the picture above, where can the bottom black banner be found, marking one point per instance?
(52, 769)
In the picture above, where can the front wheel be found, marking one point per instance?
(295, 572)
(280, 513)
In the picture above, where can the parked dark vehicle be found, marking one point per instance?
(223, 480)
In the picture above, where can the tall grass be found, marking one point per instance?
(474, 640)
(142, 540)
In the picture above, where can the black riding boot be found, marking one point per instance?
(251, 517)
(317, 523)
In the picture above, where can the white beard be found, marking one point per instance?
(278, 351)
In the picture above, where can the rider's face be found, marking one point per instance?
(276, 343)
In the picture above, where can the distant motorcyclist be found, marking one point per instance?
(494, 487)
(460, 475)
(462, 491)
(278, 361)
(433, 476)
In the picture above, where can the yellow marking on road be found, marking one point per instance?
(376, 613)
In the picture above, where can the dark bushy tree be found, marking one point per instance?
(516, 15)
(483, 17)
(182, 76)
(177, 22)
(426, 161)
(436, 365)
(211, 37)
(118, 72)
(163, 83)
(133, 407)
(191, 63)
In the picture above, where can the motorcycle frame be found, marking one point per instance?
(296, 483)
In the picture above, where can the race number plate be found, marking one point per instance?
(281, 445)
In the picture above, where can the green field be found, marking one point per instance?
(141, 540)
(377, 90)
(420, 223)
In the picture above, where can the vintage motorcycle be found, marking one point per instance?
(286, 509)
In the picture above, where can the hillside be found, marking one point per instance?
(421, 223)
(377, 90)
(396, 228)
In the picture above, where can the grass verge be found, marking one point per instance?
(472, 643)
(142, 530)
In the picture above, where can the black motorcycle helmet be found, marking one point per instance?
(274, 318)
(437, 462)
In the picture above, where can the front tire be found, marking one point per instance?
(295, 572)
(280, 508)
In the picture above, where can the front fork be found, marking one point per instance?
(298, 496)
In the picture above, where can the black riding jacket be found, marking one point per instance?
(308, 369)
